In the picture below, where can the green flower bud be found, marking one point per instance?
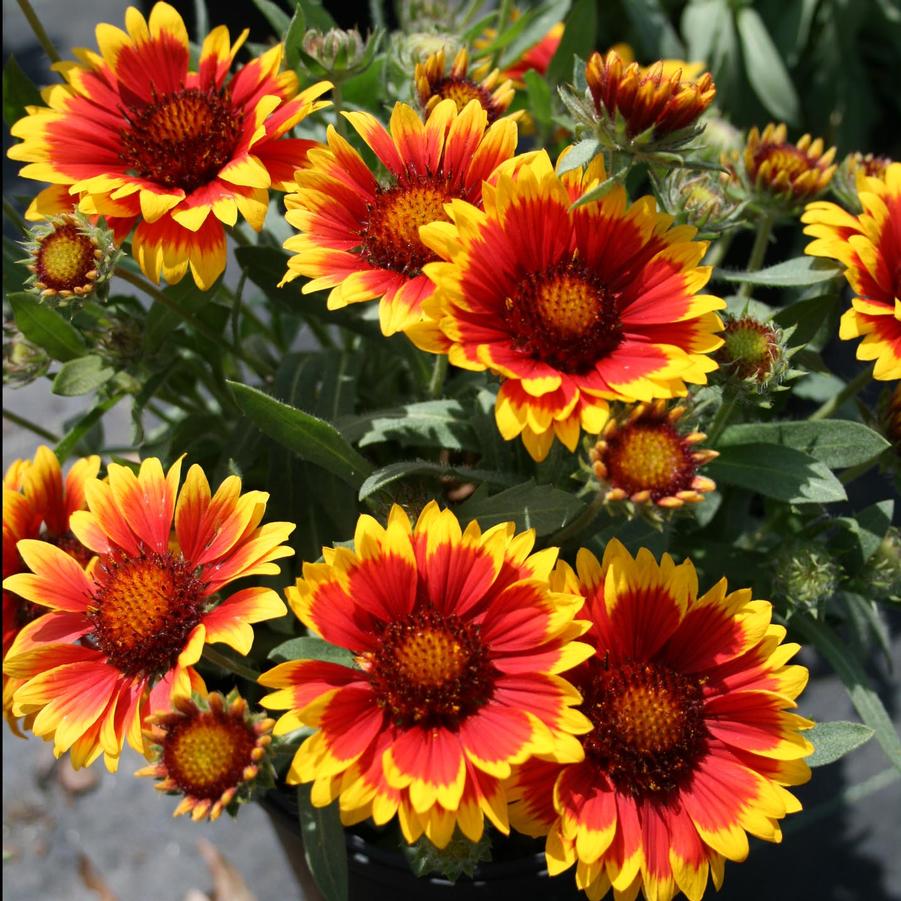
(805, 574)
(459, 858)
(23, 362)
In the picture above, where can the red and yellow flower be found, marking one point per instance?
(537, 57)
(573, 307)
(360, 238)
(786, 172)
(647, 459)
(37, 503)
(138, 616)
(137, 137)
(434, 84)
(209, 749)
(457, 642)
(869, 245)
(693, 738)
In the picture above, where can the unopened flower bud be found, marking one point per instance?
(700, 199)
(754, 358)
(23, 362)
(846, 181)
(883, 569)
(337, 53)
(805, 574)
(459, 857)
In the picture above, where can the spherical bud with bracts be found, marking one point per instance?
(805, 574)
(721, 138)
(23, 362)
(847, 179)
(70, 258)
(782, 175)
(647, 459)
(753, 357)
(700, 199)
(408, 51)
(212, 751)
(882, 575)
(459, 857)
(421, 15)
(337, 53)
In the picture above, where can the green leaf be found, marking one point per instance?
(201, 21)
(46, 328)
(798, 271)
(657, 39)
(818, 386)
(580, 155)
(579, 31)
(70, 440)
(529, 29)
(763, 65)
(837, 443)
(383, 477)
(849, 669)
(309, 437)
(873, 522)
(323, 845)
(311, 648)
(82, 376)
(539, 96)
(275, 16)
(540, 507)
(708, 27)
(783, 473)
(316, 15)
(19, 91)
(294, 37)
(831, 741)
(432, 423)
(602, 189)
(809, 317)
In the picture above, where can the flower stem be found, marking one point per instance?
(758, 251)
(857, 384)
(721, 420)
(228, 662)
(439, 372)
(39, 32)
(337, 106)
(503, 19)
(31, 426)
(15, 216)
(580, 523)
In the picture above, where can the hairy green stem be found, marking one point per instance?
(503, 20)
(439, 373)
(758, 251)
(580, 523)
(854, 387)
(337, 107)
(24, 423)
(39, 32)
(228, 662)
(721, 420)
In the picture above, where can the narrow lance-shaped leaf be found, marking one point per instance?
(798, 271)
(46, 328)
(832, 741)
(323, 845)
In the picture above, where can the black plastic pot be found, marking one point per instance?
(376, 871)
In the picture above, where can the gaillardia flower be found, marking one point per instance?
(360, 238)
(693, 741)
(211, 750)
(434, 84)
(457, 642)
(647, 460)
(138, 138)
(869, 245)
(537, 57)
(37, 503)
(139, 616)
(573, 307)
(783, 172)
(653, 105)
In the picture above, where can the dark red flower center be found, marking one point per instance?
(565, 317)
(143, 609)
(431, 670)
(649, 456)
(648, 725)
(182, 140)
(207, 754)
(65, 259)
(390, 237)
(462, 91)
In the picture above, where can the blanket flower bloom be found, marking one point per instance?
(37, 503)
(457, 642)
(693, 742)
(573, 307)
(137, 618)
(211, 750)
(869, 245)
(360, 238)
(648, 460)
(434, 84)
(136, 137)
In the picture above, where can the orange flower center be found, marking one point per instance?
(565, 317)
(181, 140)
(206, 754)
(750, 348)
(143, 610)
(65, 259)
(648, 725)
(649, 456)
(431, 670)
(462, 90)
(390, 238)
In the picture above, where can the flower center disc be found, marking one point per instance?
(207, 754)
(390, 238)
(783, 158)
(181, 140)
(144, 609)
(462, 90)
(648, 726)
(651, 457)
(564, 317)
(431, 670)
(64, 259)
